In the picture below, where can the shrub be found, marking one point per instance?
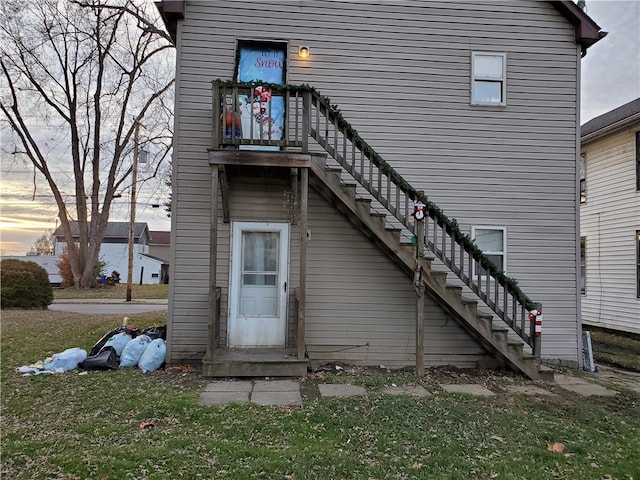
(24, 285)
(64, 265)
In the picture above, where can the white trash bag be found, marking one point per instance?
(118, 342)
(133, 351)
(67, 360)
(153, 356)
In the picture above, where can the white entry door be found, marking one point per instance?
(258, 289)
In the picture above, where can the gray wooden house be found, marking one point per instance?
(311, 137)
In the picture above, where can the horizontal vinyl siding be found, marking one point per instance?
(361, 308)
(399, 72)
(609, 220)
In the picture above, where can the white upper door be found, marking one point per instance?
(258, 288)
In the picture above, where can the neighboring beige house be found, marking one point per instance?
(160, 244)
(293, 233)
(610, 219)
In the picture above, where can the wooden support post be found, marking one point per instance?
(213, 262)
(419, 231)
(304, 238)
(306, 121)
(293, 199)
(419, 287)
(224, 190)
(216, 111)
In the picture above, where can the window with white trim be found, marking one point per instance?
(493, 242)
(488, 78)
(583, 265)
(583, 178)
(638, 161)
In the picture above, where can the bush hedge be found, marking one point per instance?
(24, 285)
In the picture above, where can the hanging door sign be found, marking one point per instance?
(262, 114)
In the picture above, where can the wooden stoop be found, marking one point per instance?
(255, 362)
(494, 338)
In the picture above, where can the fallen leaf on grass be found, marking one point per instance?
(182, 368)
(555, 447)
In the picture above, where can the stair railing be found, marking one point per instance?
(308, 114)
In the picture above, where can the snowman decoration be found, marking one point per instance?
(255, 114)
(418, 211)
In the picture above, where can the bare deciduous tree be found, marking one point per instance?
(44, 244)
(88, 70)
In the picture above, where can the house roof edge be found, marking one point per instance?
(609, 122)
(171, 11)
(587, 30)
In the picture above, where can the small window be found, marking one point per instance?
(492, 241)
(583, 178)
(489, 78)
(583, 265)
(154, 275)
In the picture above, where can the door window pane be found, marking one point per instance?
(260, 251)
(259, 275)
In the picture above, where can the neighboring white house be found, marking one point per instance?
(114, 252)
(49, 263)
(610, 219)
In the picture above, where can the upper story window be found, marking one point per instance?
(493, 242)
(583, 178)
(488, 78)
(637, 160)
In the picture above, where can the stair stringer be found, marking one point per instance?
(493, 338)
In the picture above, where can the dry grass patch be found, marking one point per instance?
(87, 426)
(113, 291)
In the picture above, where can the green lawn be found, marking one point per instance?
(113, 291)
(87, 426)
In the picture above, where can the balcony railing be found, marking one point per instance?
(306, 114)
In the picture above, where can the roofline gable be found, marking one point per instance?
(587, 32)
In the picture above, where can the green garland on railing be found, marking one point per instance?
(451, 225)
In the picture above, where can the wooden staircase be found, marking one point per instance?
(493, 337)
(487, 303)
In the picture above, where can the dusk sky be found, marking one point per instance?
(610, 78)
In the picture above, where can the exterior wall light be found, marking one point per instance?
(303, 52)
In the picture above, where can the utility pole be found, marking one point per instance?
(132, 222)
